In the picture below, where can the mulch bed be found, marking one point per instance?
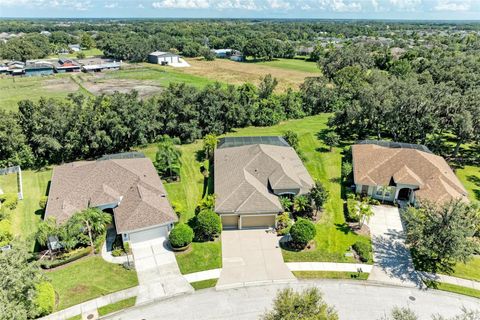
(363, 231)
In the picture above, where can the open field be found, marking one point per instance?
(470, 178)
(292, 64)
(89, 278)
(289, 74)
(15, 89)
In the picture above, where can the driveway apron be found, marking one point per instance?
(392, 260)
(251, 257)
(157, 270)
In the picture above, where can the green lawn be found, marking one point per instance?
(87, 279)
(470, 270)
(457, 289)
(27, 215)
(332, 238)
(15, 89)
(292, 64)
(330, 275)
(88, 53)
(210, 283)
(202, 256)
(113, 307)
(470, 178)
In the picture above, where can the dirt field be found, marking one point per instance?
(237, 73)
(97, 84)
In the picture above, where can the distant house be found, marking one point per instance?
(46, 33)
(38, 68)
(250, 175)
(231, 54)
(160, 57)
(3, 69)
(16, 68)
(394, 171)
(66, 65)
(74, 47)
(128, 187)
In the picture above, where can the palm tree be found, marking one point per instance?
(92, 220)
(365, 212)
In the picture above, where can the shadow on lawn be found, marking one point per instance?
(343, 227)
(476, 181)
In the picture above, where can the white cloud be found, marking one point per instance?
(279, 4)
(141, 6)
(446, 5)
(375, 5)
(341, 6)
(237, 4)
(182, 4)
(111, 5)
(406, 5)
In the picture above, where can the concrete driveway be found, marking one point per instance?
(392, 260)
(157, 270)
(353, 299)
(251, 257)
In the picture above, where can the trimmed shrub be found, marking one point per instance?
(45, 298)
(117, 252)
(352, 208)
(66, 258)
(181, 236)
(5, 233)
(302, 232)
(43, 202)
(126, 247)
(284, 223)
(208, 225)
(363, 249)
(9, 200)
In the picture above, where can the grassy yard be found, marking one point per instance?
(292, 64)
(94, 52)
(27, 215)
(330, 275)
(113, 307)
(470, 270)
(15, 89)
(202, 256)
(470, 178)
(87, 279)
(457, 289)
(199, 285)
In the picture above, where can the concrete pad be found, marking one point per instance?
(392, 260)
(251, 257)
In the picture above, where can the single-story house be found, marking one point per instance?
(16, 68)
(160, 57)
(128, 186)
(38, 68)
(392, 171)
(74, 47)
(250, 175)
(66, 65)
(103, 65)
(231, 54)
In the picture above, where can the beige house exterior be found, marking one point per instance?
(250, 175)
(393, 172)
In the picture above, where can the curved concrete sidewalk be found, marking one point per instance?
(451, 280)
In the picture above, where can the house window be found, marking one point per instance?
(383, 191)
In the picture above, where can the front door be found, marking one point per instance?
(404, 194)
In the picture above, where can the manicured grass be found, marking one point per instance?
(77, 317)
(88, 53)
(457, 289)
(202, 256)
(210, 283)
(113, 307)
(15, 89)
(470, 270)
(27, 215)
(87, 279)
(189, 190)
(333, 237)
(292, 64)
(330, 275)
(470, 178)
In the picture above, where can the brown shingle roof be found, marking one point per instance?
(383, 166)
(133, 183)
(244, 174)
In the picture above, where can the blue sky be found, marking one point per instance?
(333, 9)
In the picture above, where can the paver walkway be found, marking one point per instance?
(251, 257)
(157, 270)
(392, 261)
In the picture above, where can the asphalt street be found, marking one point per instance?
(355, 300)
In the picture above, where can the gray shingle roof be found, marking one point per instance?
(246, 177)
(133, 183)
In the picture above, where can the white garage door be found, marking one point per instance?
(149, 234)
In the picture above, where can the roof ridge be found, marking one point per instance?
(260, 191)
(367, 175)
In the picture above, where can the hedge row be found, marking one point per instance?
(9, 200)
(69, 257)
